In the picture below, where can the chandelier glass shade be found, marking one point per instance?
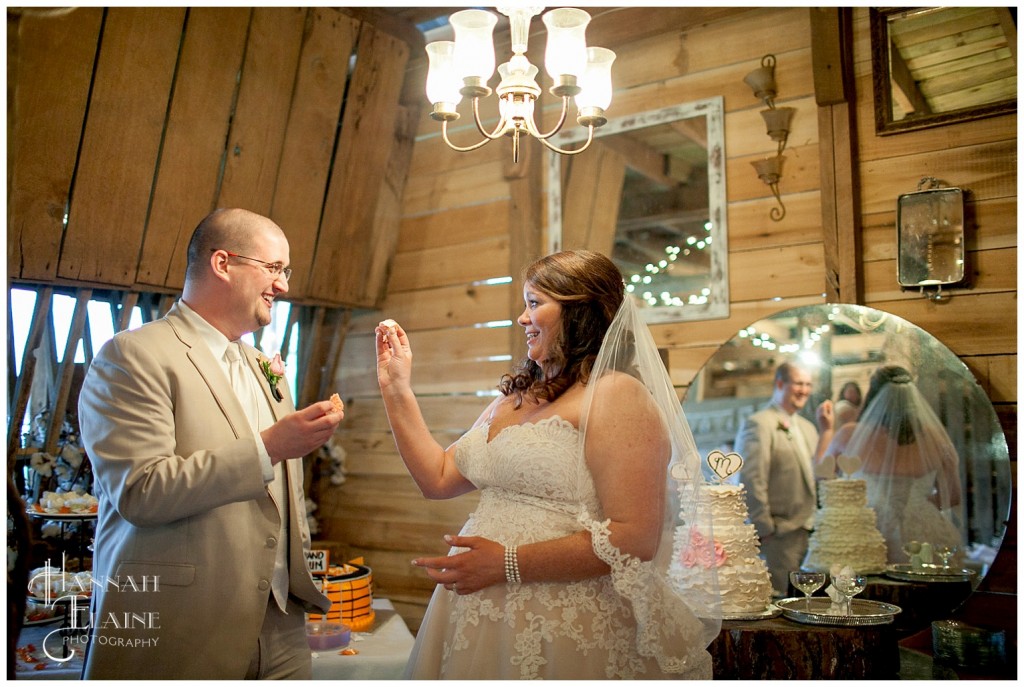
(462, 68)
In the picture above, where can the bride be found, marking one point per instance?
(560, 573)
(908, 462)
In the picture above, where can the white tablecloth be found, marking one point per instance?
(383, 652)
(35, 636)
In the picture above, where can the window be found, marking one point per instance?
(100, 326)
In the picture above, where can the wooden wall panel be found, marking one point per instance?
(994, 314)
(988, 171)
(462, 186)
(193, 146)
(455, 413)
(454, 227)
(309, 137)
(44, 130)
(470, 262)
(388, 219)
(366, 142)
(460, 305)
(726, 81)
(593, 192)
(777, 273)
(750, 226)
(261, 113)
(433, 347)
(127, 109)
(195, 108)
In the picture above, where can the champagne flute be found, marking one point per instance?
(945, 552)
(808, 583)
(849, 585)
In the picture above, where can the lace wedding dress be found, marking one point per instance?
(905, 512)
(534, 487)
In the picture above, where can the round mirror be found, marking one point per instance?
(842, 343)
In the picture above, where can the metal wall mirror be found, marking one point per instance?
(842, 343)
(939, 65)
(930, 237)
(650, 194)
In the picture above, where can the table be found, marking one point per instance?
(382, 655)
(383, 652)
(778, 649)
(51, 670)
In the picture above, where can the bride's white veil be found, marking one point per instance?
(909, 463)
(666, 630)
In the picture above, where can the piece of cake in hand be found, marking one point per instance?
(386, 327)
(338, 406)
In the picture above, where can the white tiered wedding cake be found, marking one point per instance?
(845, 530)
(743, 580)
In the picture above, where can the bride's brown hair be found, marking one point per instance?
(590, 290)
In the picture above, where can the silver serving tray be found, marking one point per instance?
(863, 612)
(928, 573)
(772, 611)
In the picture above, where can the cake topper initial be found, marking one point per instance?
(724, 464)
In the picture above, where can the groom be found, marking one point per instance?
(779, 448)
(196, 448)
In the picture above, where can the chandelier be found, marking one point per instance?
(462, 68)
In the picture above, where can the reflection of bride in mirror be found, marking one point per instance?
(909, 463)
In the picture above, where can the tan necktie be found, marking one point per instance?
(254, 404)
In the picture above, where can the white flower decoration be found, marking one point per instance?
(42, 463)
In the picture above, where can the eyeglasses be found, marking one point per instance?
(275, 268)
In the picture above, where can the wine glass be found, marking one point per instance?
(945, 552)
(808, 583)
(849, 585)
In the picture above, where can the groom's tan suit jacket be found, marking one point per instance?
(187, 529)
(778, 471)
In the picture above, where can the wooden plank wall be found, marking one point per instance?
(979, 322)
(128, 125)
(455, 234)
(980, 157)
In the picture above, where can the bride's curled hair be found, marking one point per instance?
(590, 289)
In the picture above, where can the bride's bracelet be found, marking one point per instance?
(512, 565)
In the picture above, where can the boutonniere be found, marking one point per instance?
(273, 370)
(784, 426)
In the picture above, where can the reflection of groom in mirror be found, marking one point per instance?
(779, 448)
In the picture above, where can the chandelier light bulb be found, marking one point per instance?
(596, 84)
(443, 83)
(474, 47)
(566, 53)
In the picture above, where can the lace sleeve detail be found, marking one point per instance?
(667, 629)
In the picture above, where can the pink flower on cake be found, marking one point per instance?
(720, 556)
(698, 552)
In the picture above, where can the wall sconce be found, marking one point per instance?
(777, 121)
(462, 69)
(930, 237)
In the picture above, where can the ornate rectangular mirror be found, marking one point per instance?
(650, 194)
(939, 65)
